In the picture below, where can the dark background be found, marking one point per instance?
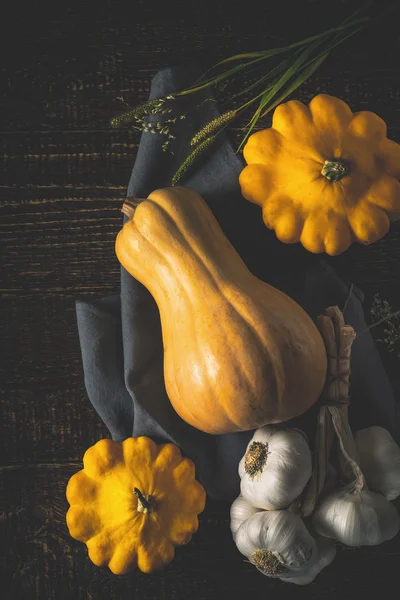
(64, 174)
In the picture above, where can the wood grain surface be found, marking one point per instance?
(64, 174)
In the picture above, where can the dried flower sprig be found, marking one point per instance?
(381, 312)
(141, 115)
(213, 126)
(191, 159)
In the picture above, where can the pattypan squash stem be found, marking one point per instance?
(334, 169)
(144, 505)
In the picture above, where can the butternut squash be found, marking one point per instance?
(238, 353)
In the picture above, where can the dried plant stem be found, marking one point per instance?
(348, 298)
(344, 337)
(387, 318)
(333, 414)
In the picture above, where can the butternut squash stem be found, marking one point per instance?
(130, 205)
(146, 504)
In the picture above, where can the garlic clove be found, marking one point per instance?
(379, 458)
(276, 542)
(275, 468)
(240, 511)
(356, 518)
(326, 553)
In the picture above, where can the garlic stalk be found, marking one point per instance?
(326, 552)
(275, 468)
(356, 518)
(240, 511)
(379, 460)
(277, 543)
(324, 474)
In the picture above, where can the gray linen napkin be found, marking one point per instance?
(120, 336)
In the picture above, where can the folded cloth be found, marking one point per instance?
(120, 336)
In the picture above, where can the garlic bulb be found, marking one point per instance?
(276, 542)
(356, 518)
(326, 553)
(275, 468)
(240, 511)
(379, 457)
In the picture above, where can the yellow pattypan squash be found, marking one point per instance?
(133, 502)
(323, 175)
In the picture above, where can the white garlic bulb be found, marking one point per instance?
(379, 459)
(356, 518)
(326, 553)
(240, 511)
(275, 468)
(276, 542)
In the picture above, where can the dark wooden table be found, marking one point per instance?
(64, 174)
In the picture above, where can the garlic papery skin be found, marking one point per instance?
(241, 510)
(326, 553)
(361, 518)
(379, 459)
(275, 468)
(276, 542)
